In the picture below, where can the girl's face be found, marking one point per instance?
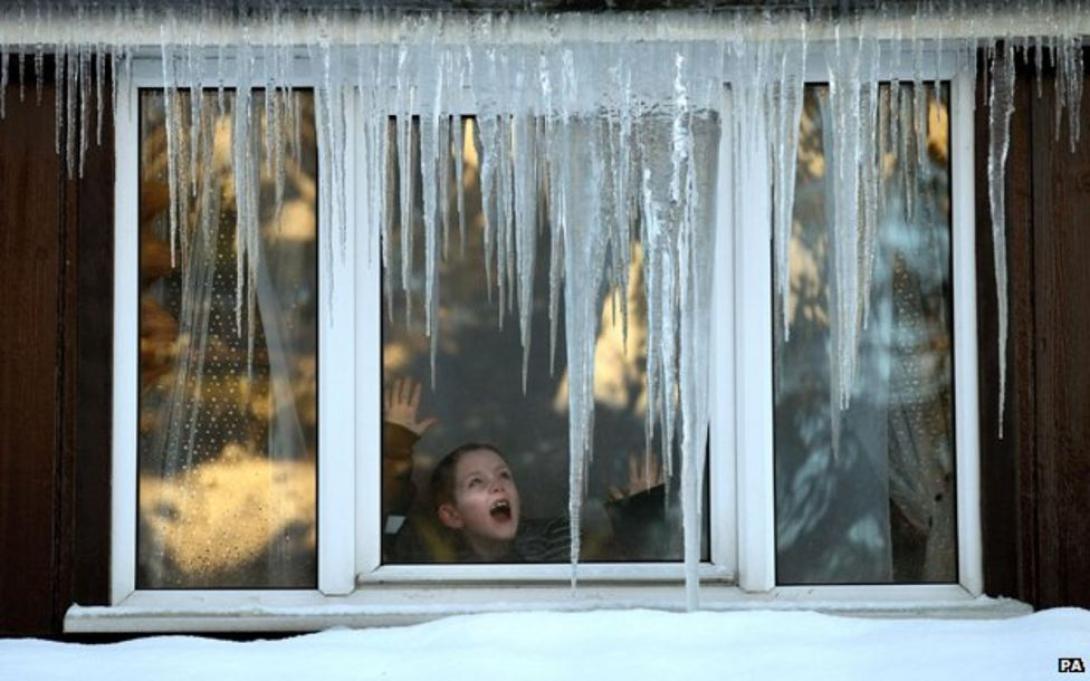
(486, 500)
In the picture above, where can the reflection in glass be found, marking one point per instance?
(228, 408)
(478, 397)
(880, 507)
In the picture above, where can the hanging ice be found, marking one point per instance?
(593, 126)
(1001, 105)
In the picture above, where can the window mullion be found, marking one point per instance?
(722, 459)
(368, 349)
(753, 356)
(126, 342)
(967, 415)
(336, 393)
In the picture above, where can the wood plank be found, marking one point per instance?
(29, 341)
(1062, 185)
(94, 371)
(1004, 535)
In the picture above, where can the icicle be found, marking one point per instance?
(1001, 107)
(920, 111)
(458, 126)
(507, 192)
(170, 95)
(387, 153)
(441, 107)
(556, 279)
(406, 93)
(696, 262)
(3, 78)
(39, 70)
(525, 186)
(583, 260)
(247, 186)
(221, 76)
(848, 138)
(100, 81)
(444, 180)
(277, 152)
(21, 62)
(83, 88)
(625, 199)
(1060, 86)
(268, 102)
(73, 116)
(869, 169)
(487, 137)
(906, 155)
(429, 155)
(1071, 80)
(787, 103)
(59, 63)
(329, 123)
(1038, 62)
(560, 184)
(22, 74)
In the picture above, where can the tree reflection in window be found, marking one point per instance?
(880, 507)
(228, 405)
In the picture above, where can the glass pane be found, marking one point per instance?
(228, 383)
(478, 398)
(880, 507)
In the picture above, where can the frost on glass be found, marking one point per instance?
(228, 408)
(880, 506)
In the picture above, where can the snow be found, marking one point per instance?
(624, 645)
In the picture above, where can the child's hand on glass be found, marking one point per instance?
(400, 404)
(644, 473)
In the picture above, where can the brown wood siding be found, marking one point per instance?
(1036, 479)
(31, 222)
(89, 466)
(56, 267)
(1061, 262)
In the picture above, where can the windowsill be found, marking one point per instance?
(208, 611)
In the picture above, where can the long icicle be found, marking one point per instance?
(1000, 109)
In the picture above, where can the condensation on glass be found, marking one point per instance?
(228, 386)
(478, 394)
(880, 507)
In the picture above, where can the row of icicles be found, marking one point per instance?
(602, 144)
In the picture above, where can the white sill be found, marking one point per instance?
(219, 611)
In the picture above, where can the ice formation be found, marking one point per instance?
(610, 121)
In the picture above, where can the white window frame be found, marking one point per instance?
(756, 490)
(355, 588)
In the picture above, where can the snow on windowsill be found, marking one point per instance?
(388, 605)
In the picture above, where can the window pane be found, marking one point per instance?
(880, 507)
(228, 384)
(479, 398)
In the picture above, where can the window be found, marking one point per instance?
(308, 405)
(479, 394)
(228, 405)
(879, 505)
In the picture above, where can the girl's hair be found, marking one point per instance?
(442, 478)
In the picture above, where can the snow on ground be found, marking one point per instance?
(603, 645)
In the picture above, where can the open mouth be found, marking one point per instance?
(501, 510)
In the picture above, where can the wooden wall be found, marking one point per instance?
(1036, 478)
(56, 240)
